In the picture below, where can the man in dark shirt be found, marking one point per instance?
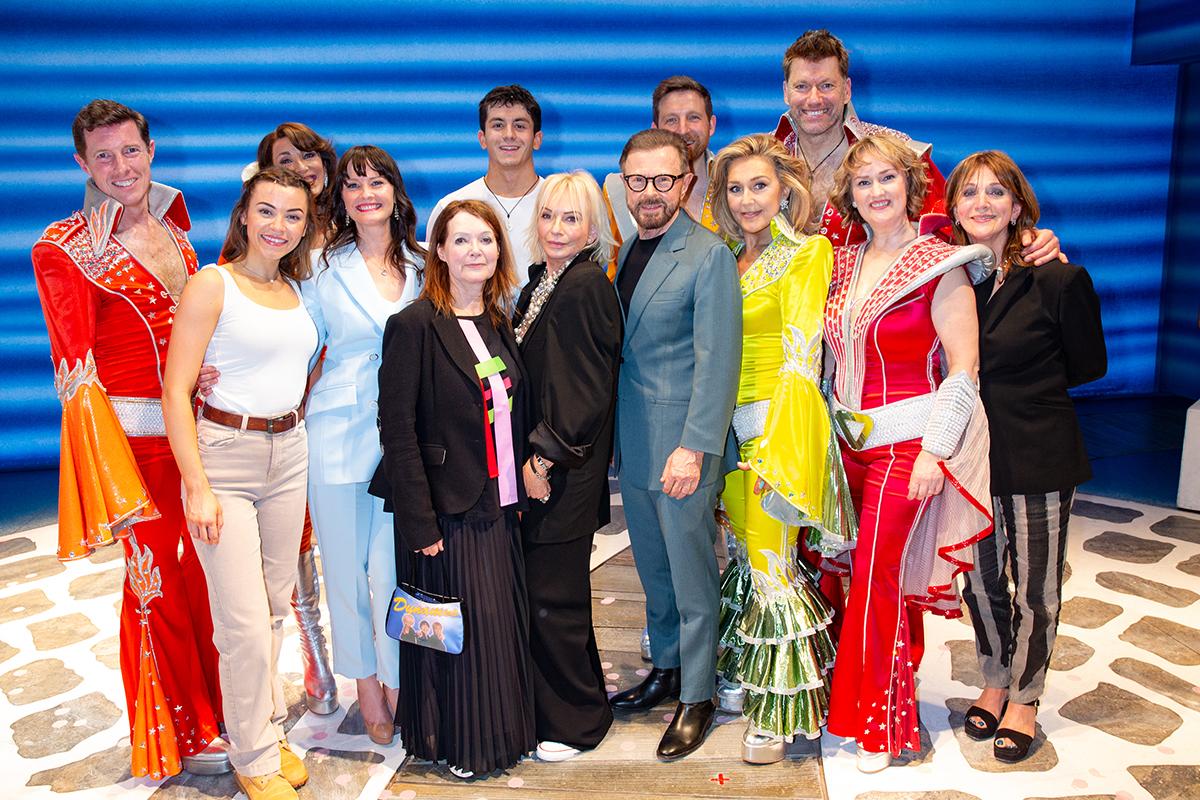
(678, 285)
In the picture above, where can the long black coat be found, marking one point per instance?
(571, 355)
(1038, 336)
(431, 423)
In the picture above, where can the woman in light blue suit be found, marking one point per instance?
(368, 271)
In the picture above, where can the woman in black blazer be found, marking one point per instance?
(451, 416)
(1040, 334)
(569, 327)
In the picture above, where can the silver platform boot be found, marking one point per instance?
(766, 748)
(731, 697)
(646, 644)
(320, 689)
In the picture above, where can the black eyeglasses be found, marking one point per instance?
(663, 183)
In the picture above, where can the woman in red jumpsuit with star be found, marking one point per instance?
(901, 325)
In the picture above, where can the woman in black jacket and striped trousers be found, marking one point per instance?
(1040, 334)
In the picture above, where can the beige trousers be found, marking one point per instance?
(260, 481)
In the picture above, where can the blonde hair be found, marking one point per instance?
(888, 149)
(577, 190)
(790, 171)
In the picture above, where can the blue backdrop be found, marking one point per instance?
(1051, 83)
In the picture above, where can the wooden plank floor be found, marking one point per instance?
(624, 767)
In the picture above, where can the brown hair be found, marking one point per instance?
(305, 139)
(100, 113)
(512, 95)
(297, 264)
(654, 139)
(817, 45)
(497, 291)
(891, 150)
(403, 221)
(1011, 178)
(790, 171)
(679, 83)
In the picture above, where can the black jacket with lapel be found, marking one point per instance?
(1039, 335)
(431, 423)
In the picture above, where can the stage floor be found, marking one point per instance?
(1122, 699)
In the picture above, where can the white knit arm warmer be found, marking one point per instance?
(951, 412)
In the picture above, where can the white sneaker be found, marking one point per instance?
(459, 772)
(556, 751)
(870, 763)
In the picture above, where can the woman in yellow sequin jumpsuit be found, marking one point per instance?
(777, 645)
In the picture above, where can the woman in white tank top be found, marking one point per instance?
(244, 462)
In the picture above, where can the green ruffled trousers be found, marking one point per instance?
(775, 626)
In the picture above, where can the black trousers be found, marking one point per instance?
(570, 701)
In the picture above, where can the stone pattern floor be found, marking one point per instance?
(1122, 699)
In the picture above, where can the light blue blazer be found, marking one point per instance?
(681, 357)
(350, 314)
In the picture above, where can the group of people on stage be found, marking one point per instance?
(802, 340)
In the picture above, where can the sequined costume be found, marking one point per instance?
(889, 366)
(109, 320)
(775, 625)
(932, 217)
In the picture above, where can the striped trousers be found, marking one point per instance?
(1015, 592)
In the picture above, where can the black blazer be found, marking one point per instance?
(431, 423)
(1039, 335)
(571, 354)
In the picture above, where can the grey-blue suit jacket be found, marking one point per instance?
(681, 357)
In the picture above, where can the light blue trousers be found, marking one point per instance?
(359, 565)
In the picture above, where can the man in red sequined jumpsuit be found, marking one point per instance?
(108, 277)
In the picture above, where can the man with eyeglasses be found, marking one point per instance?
(681, 105)
(678, 286)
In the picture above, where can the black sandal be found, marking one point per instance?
(1016, 750)
(990, 723)
(1019, 743)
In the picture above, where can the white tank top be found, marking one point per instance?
(262, 353)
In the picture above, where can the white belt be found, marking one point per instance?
(750, 420)
(883, 425)
(139, 416)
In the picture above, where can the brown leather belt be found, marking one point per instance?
(272, 425)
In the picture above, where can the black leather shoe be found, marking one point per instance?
(659, 685)
(687, 731)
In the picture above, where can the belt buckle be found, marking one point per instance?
(855, 428)
(270, 426)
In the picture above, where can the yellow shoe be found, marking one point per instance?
(291, 766)
(265, 787)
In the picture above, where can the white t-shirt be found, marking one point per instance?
(515, 213)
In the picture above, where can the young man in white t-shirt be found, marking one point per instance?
(510, 130)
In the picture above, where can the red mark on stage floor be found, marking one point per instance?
(720, 779)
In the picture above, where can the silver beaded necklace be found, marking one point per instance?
(541, 293)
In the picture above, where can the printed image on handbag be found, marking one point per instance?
(425, 619)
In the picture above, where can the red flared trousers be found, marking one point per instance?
(873, 696)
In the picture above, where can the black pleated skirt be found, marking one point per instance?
(474, 710)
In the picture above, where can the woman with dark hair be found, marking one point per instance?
(244, 463)
(297, 147)
(451, 414)
(900, 323)
(569, 328)
(368, 271)
(776, 627)
(1040, 334)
